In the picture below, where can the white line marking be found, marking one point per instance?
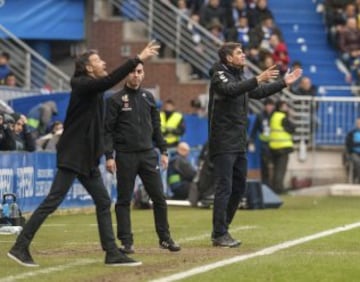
(263, 252)
(197, 270)
(25, 275)
(207, 235)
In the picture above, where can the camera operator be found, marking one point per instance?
(14, 134)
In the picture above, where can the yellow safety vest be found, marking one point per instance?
(33, 122)
(172, 122)
(279, 138)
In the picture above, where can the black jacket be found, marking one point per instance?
(10, 141)
(82, 142)
(228, 107)
(132, 122)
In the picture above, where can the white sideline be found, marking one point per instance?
(25, 275)
(263, 252)
(196, 270)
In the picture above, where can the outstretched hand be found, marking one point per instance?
(268, 74)
(291, 77)
(150, 50)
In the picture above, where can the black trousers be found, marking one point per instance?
(265, 161)
(146, 165)
(61, 185)
(230, 171)
(280, 160)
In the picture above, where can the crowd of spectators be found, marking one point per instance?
(342, 19)
(249, 22)
(30, 132)
(7, 77)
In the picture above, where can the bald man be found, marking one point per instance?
(180, 172)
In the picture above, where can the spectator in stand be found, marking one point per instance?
(260, 11)
(172, 124)
(260, 35)
(40, 117)
(195, 6)
(183, 8)
(192, 36)
(4, 66)
(180, 172)
(240, 32)
(216, 28)
(352, 144)
(280, 53)
(10, 80)
(349, 42)
(49, 141)
(336, 14)
(295, 65)
(266, 60)
(261, 129)
(211, 10)
(17, 136)
(306, 88)
(233, 14)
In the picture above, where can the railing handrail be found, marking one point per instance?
(47, 64)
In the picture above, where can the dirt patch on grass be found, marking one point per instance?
(158, 263)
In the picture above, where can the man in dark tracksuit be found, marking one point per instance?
(79, 150)
(228, 110)
(132, 127)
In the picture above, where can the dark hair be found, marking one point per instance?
(6, 55)
(82, 61)
(227, 49)
(269, 101)
(169, 101)
(279, 104)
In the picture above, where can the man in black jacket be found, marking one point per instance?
(228, 110)
(79, 149)
(132, 127)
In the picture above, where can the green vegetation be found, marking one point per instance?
(70, 238)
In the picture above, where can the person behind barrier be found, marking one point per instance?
(49, 141)
(352, 145)
(180, 172)
(79, 151)
(132, 130)
(228, 110)
(280, 144)
(172, 124)
(16, 134)
(261, 129)
(39, 117)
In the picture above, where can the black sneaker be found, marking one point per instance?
(225, 241)
(170, 245)
(127, 249)
(22, 256)
(117, 258)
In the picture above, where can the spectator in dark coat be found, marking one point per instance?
(17, 136)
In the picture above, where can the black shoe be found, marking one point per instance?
(22, 256)
(127, 249)
(225, 241)
(117, 258)
(170, 245)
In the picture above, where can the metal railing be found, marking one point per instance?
(190, 41)
(32, 71)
